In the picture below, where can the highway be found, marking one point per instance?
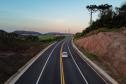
(51, 68)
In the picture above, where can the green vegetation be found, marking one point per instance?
(109, 18)
(31, 38)
(46, 38)
(91, 56)
(78, 35)
(123, 79)
(50, 38)
(15, 54)
(12, 39)
(16, 50)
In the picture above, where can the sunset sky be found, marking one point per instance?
(47, 15)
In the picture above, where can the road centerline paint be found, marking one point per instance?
(61, 66)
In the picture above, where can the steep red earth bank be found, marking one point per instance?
(109, 47)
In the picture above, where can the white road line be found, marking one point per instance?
(13, 79)
(93, 69)
(46, 63)
(78, 67)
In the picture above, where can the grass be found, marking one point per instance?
(99, 30)
(107, 30)
(107, 68)
(46, 37)
(123, 79)
(89, 55)
(50, 38)
(102, 30)
(105, 65)
(14, 54)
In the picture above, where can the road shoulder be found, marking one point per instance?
(20, 72)
(97, 69)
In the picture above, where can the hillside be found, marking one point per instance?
(57, 33)
(109, 48)
(27, 33)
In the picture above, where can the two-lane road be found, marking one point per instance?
(51, 68)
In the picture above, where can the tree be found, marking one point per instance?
(120, 17)
(108, 19)
(104, 8)
(91, 9)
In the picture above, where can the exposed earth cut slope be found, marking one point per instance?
(109, 47)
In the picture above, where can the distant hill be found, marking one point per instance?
(56, 33)
(33, 33)
(2, 31)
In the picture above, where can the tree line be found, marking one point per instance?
(7, 38)
(108, 17)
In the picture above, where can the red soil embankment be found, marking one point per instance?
(109, 47)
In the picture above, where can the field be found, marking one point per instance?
(15, 53)
(46, 37)
(16, 50)
(50, 38)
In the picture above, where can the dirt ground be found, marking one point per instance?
(13, 57)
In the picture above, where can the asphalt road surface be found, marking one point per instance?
(51, 68)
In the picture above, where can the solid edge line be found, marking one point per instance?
(46, 63)
(20, 72)
(100, 72)
(61, 66)
(78, 67)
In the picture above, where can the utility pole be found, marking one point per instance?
(65, 30)
(68, 30)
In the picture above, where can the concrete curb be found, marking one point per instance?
(101, 73)
(20, 72)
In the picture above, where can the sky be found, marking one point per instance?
(48, 15)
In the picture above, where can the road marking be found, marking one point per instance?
(46, 63)
(14, 78)
(93, 69)
(78, 67)
(61, 66)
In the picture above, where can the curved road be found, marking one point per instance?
(51, 68)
